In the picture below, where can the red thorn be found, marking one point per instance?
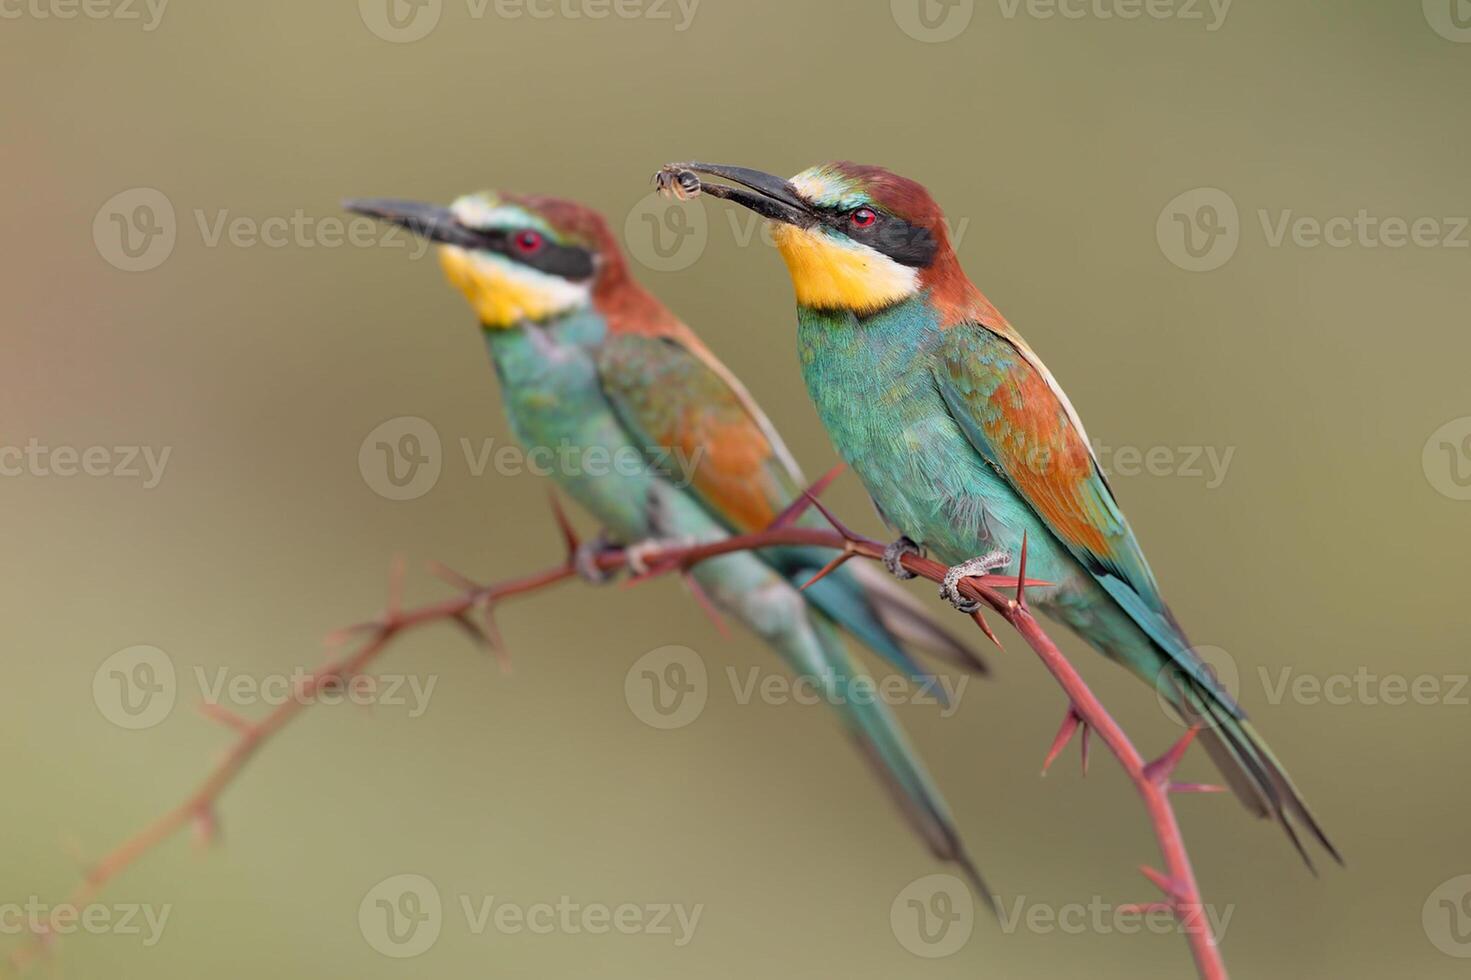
(803, 503)
(206, 826)
(1195, 788)
(226, 717)
(1083, 746)
(462, 582)
(828, 569)
(1160, 769)
(395, 587)
(569, 533)
(1172, 887)
(708, 605)
(498, 647)
(848, 533)
(1070, 723)
(980, 621)
(1021, 573)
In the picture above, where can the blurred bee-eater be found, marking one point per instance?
(966, 442)
(587, 357)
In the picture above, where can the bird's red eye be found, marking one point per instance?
(528, 241)
(863, 218)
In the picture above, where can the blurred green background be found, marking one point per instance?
(1332, 547)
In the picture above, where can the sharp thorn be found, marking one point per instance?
(980, 620)
(1083, 745)
(803, 503)
(1195, 788)
(1070, 723)
(1170, 886)
(1021, 573)
(848, 533)
(226, 717)
(707, 604)
(447, 574)
(828, 569)
(395, 587)
(1160, 769)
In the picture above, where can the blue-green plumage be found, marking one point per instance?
(591, 363)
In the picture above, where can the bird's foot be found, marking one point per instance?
(984, 565)
(637, 555)
(585, 561)
(894, 555)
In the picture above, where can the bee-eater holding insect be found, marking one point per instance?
(587, 358)
(965, 441)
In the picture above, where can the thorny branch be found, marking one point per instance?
(473, 610)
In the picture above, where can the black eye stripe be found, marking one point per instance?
(553, 258)
(889, 234)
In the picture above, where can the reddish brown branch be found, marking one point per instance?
(1086, 712)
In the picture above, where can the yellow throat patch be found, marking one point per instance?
(504, 293)
(832, 273)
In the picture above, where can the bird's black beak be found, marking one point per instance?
(769, 196)
(438, 224)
